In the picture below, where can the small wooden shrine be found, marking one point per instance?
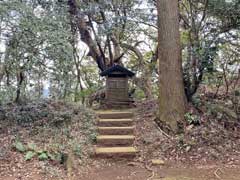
(117, 94)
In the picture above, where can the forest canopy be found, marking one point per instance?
(59, 46)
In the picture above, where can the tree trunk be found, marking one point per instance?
(2, 70)
(20, 79)
(171, 89)
(144, 83)
(79, 84)
(95, 51)
(1, 74)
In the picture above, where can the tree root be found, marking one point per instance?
(151, 170)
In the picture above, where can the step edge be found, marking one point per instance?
(130, 149)
(115, 137)
(115, 127)
(116, 112)
(115, 120)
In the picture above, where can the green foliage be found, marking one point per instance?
(237, 92)
(227, 11)
(36, 33)
(43, 156)
(32, 146)
(39, 41)
(192, 119)
(53, 157)
(86, 92)
(19, 146)
(77, 149)
(196, 101)
(139, 94)
(93, 137)
(203, 39)
(29, 155)
(184, 37)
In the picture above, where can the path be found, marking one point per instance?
(122, 171)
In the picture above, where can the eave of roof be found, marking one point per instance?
(117, 68)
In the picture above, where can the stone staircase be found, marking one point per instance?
(116, 134)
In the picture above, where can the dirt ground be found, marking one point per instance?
(169, 171)
(134, 171)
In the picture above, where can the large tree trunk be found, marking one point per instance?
(171, 89)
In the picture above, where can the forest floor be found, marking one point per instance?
(122, 171)
(53, 140)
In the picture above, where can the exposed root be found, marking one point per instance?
(151, 170)
(164, 133)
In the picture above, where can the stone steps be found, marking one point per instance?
(115, 122)
(119, 104)
(116, 130)
(116, 151)
(115, 140)
(116, 134)
(115, 115)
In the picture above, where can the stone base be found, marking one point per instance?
(117, 104)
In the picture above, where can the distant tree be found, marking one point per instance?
(206, 26)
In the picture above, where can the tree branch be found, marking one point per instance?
(94, 50)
